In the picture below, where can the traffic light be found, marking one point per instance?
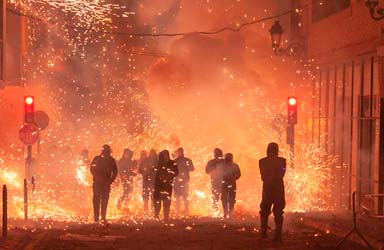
(292, 110)
(29, 109)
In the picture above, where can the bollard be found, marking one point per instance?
(25, 200)
(5, 211)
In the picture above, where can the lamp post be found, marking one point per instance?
(291, 49)
(377, 12)
(276, 32)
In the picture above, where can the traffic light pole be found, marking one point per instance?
(292, 155)
(291, 142)
(28, 162)
(292, 121)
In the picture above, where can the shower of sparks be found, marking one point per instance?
(88, 14)
(90, 83)
(309, 185)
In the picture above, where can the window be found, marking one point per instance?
(324, 8)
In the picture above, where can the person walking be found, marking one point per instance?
(104, 172)
(272, 171)
(165, 172)
(147, 166)
(181, 187)
(231, 173)
(127, 171)
(214, 168)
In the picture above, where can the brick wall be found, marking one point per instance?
(348, 33)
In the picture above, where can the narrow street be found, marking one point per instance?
(199, 234)
(224, 110)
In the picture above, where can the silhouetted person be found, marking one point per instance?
(165, 172)
(214, 168)
(181, 186)
(147, 170)
(104, 171)
(272, 170)
(127, 170)
(231, 173)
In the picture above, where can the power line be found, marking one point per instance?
(221, 30)
(228, 28)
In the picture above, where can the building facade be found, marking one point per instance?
(347, 47)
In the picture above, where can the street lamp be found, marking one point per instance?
(291, 49)
(377, 12)
(276, 33)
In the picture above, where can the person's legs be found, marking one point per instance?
(186, 197)
(128, 190)
(167, 198)
(104, 201)
(216, 191)
(157, 203)
(178, 191)
(124, 196)
(265, 211)
(167, 207)
(145, 194)
(152, 201)
(278, 211)
(96, 201)
(231, 201)
(224, 200)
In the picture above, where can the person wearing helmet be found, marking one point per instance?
(147, 170)
(165, 172)
(272, 171)
(214, 168)
(181, 186)
(127, 171)
(231, 173)
(104, 172)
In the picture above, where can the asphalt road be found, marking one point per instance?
(191, 234)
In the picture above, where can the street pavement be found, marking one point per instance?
(188, 234)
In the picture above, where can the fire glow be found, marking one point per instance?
(185, 99)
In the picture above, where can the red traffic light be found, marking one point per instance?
(29, 100)
(292, 101)
(292, 110)
(29, 108)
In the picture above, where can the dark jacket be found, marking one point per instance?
(127, 169)
(215, 168)
(147, 169)
(184, 166)
(165, 172)
(103, 169)
(231, 173)
(272, 170)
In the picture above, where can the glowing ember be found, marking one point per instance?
(99, 87)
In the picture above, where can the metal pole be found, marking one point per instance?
(3, 21)
(354, 229)
(25, 199)
(28, 162)
(381, 159)
(38, 146)
(351, 134)
(291, 142)
(5, 211)
(293, 148)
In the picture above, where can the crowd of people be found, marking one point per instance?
(163, 175)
